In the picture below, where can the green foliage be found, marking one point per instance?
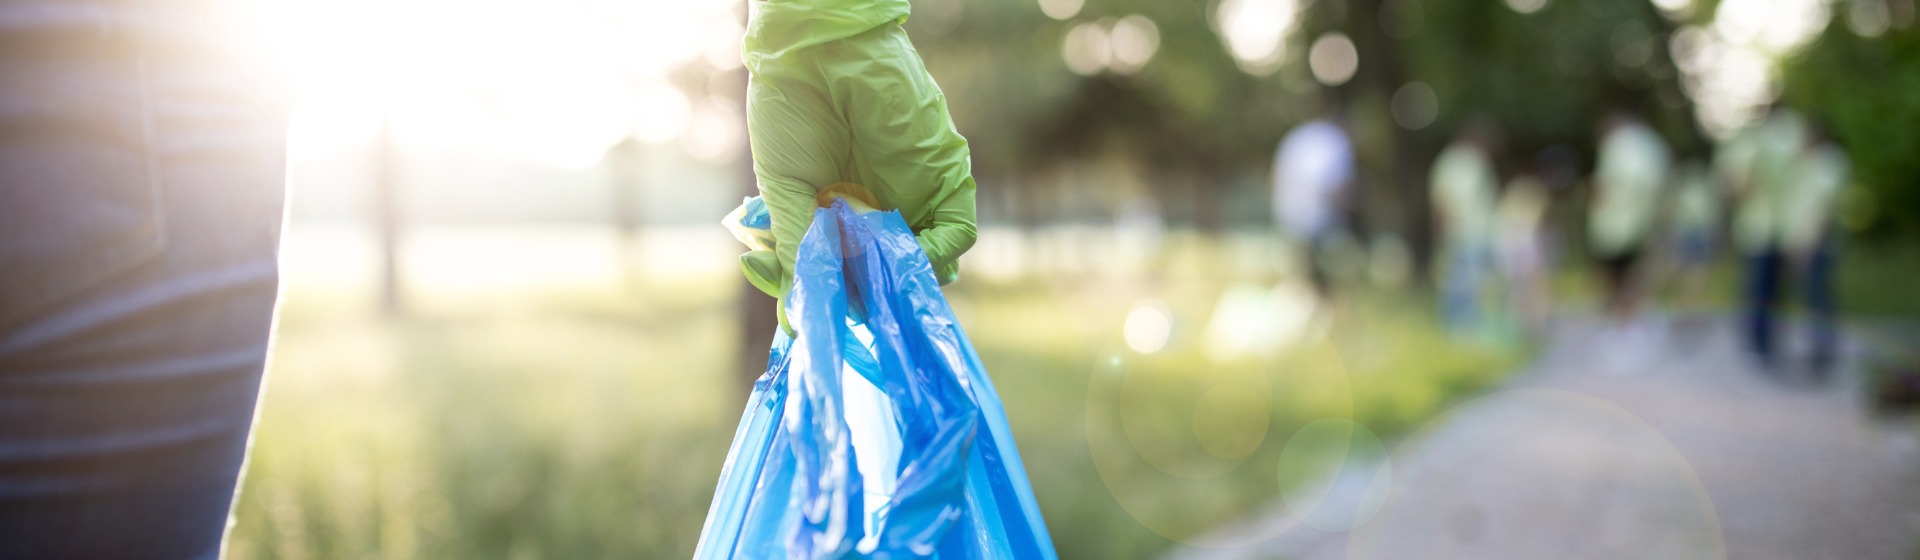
(1876, 280)
(1864, 92)
(1203, 131)
(1189, 116)
(1546, 77)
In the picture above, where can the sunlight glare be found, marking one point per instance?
(664, 113)
(1255, 32)
(552, 83)
(1776, 27)
(1149, 326)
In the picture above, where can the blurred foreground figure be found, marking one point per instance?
(140, 215)
(838, 96)
(1311, 172)
(1629, 172)
(1463, 183)
(1786, 225)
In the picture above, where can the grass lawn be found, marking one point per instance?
(566, 424)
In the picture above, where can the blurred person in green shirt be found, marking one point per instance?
(1786, 229)
(1462, 184)
(1760, 159)
(1629, 173)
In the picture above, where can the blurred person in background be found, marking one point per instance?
(1810, 239)
(1521, 258)
(140, 220)
(1629, 171)
(1311, 173)
(1801, 191)
(1695, 219)
(1760, 160)
(1462, 185)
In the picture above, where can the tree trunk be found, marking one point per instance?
(758, 318)
(1394, 197)
(386, 216)
(622, 188)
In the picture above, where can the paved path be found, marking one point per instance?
(1662, 445)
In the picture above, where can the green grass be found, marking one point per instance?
(1878, 280)
(1131, 453)
(1873, 280)
(567, 425)
(568, 432)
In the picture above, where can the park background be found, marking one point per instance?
(512, 326)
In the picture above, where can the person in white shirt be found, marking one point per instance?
(1788, 220)
(1312, 171)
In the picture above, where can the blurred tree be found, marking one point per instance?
(1864, 91)
(1204, 129)
(1544, 78)
(386, 215)
(1196, 122)
(623, 187)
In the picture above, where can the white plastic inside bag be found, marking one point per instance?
(876, 441)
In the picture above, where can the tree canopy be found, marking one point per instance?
(1202, 127)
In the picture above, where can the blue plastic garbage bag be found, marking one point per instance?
(875, 432)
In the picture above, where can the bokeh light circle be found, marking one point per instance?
(1333, 59)
(1149, 325)
(1134, 40)
(1255, 32)
(1415, 105)
(1086, 49)
(1526, 6)
(1061, 9)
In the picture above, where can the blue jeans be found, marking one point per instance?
(141, 193)
(1460, 287)
(1766, 279)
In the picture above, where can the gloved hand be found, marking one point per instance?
(852, 106)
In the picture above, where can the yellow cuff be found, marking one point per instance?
(861, 199)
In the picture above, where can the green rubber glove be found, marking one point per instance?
(838, 94)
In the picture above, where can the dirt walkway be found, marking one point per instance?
(1659, 443)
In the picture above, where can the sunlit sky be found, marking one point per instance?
(559, 82)
(554, 82)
